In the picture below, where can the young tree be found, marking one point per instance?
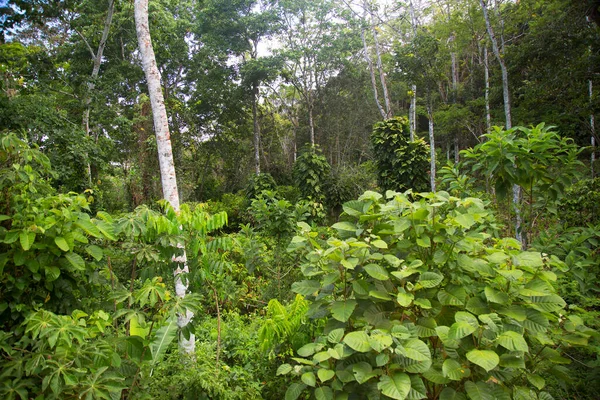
(165, 152)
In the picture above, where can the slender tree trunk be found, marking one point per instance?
(412, 112)
(499, 57)
(372, 73)
(431, 145)
(97, 59)
(165, 152)
(256, 128)
(593, 128)
(386, 96)
(454, 91)
(507, 113)
(311, 123)
(488, 116)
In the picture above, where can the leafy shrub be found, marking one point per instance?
(537, 159)
(401, 164)
(235, 205)
(311, 171)
(420, 301)
(581, 204)
(259, 183)
(347, 183)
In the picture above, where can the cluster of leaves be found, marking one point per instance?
(581, 204)
(259, 183)
(537, 159)
(420, 301)
(401, 164)
(311, 171)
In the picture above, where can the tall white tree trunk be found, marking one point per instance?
(311, 123)
(256, 129)
(500, 58)
(431, 146)
(488, 116)
(507, 113)
(386, 96)
(412, 112)
(372, 73)
(165, 152)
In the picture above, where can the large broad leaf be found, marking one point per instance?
(163, 338)
(342, 310)
(380, 341)
(335, 335)
(478, 391)
(451, 394)
(309, 379)
(377, 271)
(486, 359)
(62, 244)
(452, 369)
(417, 388)
(294, 391)
(460, 329)
(415, 349)
(495, 296)
(430, 279)
(76, 261)
(324, 393)
(512, 341)
(325, 374)
(306, 287)
(358, 341)
(363, 372)
(309, 349)
(284, 369)
(396, 386)
(95, 252)
(27, 239)
(548, 303)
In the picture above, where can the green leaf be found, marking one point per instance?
(163, 338)
(417, 388)
(309, 379)
(294, 391)
(342, 310)
(344, 226)
(309, 349)
(396, 386)
(405, 299)
(380, 244)
(460, 329)
(324, 393)
(478, 391)
(550, 303)
(376, 271)
(62, 243)
(363, 372)
(454, 370)
(76, 261)
(494, 296)
(284, 369)
(88, 227)
(306, 287)
(95, 252)
(512, 341)
(335, 335)
(424, 241)
(536, 381)
(415, 349)
(325, 374)
(465, 220)
(380, 341)
(486, 359)
(451, 394)
(27, 239)
(430, 279)
(358, 341)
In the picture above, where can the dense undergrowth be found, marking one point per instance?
(312, 291)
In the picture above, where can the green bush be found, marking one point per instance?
(401, 164)
(259, 183)
(311, 171)
(581, 203)
(419, 300)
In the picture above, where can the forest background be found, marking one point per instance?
(281, 115)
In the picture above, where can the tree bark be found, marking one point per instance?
(165, 151)
(431, 145)
(507, 113)
(372, 73)
(386, 96)
(488, 116)
(412, 112)
(97, 59)
(256, 128)
(499, 57)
